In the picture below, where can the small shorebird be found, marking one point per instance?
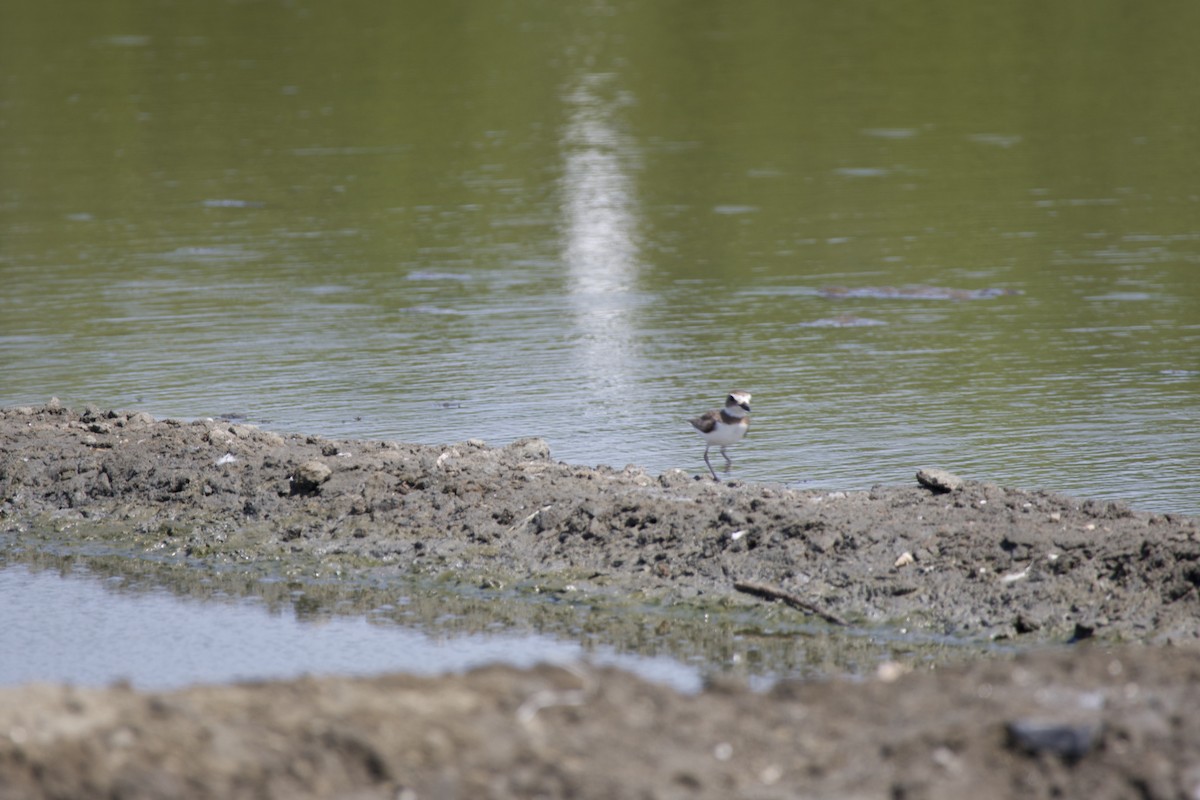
(725, 426)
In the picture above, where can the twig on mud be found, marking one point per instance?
(528, 518)
(772, 593)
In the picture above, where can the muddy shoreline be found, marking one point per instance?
(974, 562)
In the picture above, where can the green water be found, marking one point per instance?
(587, 221)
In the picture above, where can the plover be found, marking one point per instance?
(725, 426)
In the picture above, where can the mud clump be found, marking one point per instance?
(945, 556)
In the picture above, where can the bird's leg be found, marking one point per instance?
(710, 467)
(728, 460)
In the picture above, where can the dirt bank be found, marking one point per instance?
(973, 561)
(980, 559)
(1086, 722)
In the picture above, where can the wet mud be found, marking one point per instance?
(1013, 642)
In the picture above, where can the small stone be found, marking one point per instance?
(1069, 741)
(1027, 623)
(891, 671)
(530, 449)
(939, 480)
(674, 478)
(1085, 630)
(219, 436)
(824, 541)
(904, 560)
(770, 774)
(309, 477)
(1013, 577)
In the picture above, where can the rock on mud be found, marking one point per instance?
(939, 480)
(309, 477)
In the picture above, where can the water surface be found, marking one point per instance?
(588, 220)
(88, 630)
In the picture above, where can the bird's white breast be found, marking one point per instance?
(724, 433)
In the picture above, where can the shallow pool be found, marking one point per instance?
(82, 629)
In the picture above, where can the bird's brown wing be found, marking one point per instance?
(706, 422)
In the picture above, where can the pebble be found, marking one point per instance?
(939, 480)
(674, 478)
(271, 439)
(891, 671)
(219, 436)
(310, 475)
(530, 449)
(1069, 741)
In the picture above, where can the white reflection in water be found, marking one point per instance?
(599, 243)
